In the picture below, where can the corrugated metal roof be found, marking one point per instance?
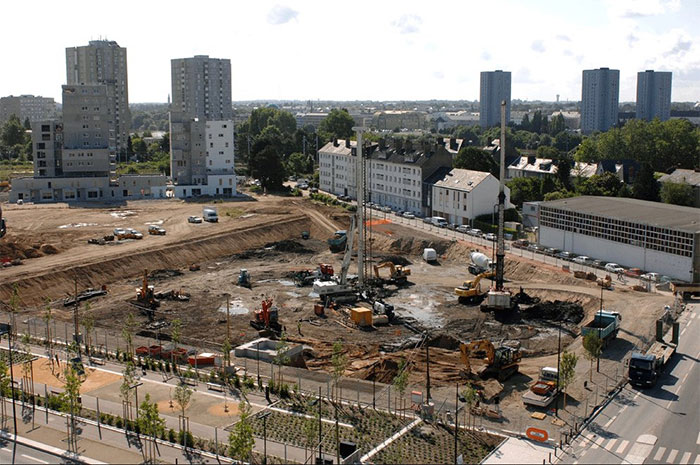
(639, 211)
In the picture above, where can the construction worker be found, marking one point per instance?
(299, 327)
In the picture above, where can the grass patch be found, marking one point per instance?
(232, 212)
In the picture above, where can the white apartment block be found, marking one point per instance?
(462, 195)
(27, 107)
(396, 173)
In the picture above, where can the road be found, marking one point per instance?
(27, 455)
(656, 425)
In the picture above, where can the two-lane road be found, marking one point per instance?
(655, 425)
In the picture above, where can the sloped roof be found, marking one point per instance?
(691, 177)
(464, 180)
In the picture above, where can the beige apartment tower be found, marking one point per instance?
(201, 88)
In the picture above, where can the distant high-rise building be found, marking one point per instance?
(27, 107)
(654, 95)
(103, 62)
(201, 87)
(201, 127)
(495, 87)
(599, 99)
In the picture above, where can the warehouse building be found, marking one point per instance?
(653, 236)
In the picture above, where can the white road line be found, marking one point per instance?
(659, 454)
(594, 444)
(6, 449)
(697, 460)
(623, 445)
(698, 440)
(672, 456)
(584, 442)
(684, 329)
(686, 458)
(32, 458)
(610, 444)
(609, 422)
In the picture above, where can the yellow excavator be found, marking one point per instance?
(471, 291)
(398, 274)
(501, 363)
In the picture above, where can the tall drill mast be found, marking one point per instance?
(500, 245)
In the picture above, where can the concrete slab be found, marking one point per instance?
(517, 450)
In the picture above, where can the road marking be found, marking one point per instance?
(672, 456)
(647, 439)
(684, 329)
(610, 421)
(623, 445)
(698, 441)
(659, 454)
(32, 458)
(594, 444)
(610, 444)
(6, 449)
(686, 458)
(697, 460)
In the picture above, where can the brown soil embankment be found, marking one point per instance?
(58, 282)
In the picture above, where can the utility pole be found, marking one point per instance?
(320, 425)
(228, 317)
(427, 371)
(360, 196)
(456, 415)
(76, 322)
(600, 318)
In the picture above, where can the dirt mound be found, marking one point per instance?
(48, 249)
(570, 312)
(395, 259)
(383, 371)
(157, 275)
(287, 246)
(444, 342)
(411, 246)
(31, 253)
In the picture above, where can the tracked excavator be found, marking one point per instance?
(267, 317)
(501, 362)
(397, 273)
(470, 291)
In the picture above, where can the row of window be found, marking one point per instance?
(646, 236)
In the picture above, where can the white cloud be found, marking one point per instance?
(537, 46)
(281, 14)
(408, 24)
(642, 8)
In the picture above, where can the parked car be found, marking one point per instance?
(119, 232)
(155, 230)
(651, 277)
(452, 226)
(614, 268)
(386, 209)
(490, 237)
(463, 228)
(438, 221)
(409, 215)
(133, 234)
(521, 243)
(582, 260)
(194, 219)
(634, 272)
(665, 279)
(399, 212)
(475, 232)
(313, 190)
(567, 256)
(427, 220)
(551, 251)
(599, 264)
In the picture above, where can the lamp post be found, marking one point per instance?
(556, 405)
(264, 418)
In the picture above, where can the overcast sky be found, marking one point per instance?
(380, 50)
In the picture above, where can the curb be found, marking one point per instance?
(50, 449)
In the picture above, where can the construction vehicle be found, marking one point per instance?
(338, 242)
(605, 283)
(398, 275)
(480, 263)
(471, 291)
(324, 272)
(145, 297)
(685, 290)
(501, 363)
(244, 278)
(543, 391)
(499, 299)
(3, 224)
(605, 324)
(266, 317)
(645, 368)
(340, 288)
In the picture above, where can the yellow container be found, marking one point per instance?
(361, 316)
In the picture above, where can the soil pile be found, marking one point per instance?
(158, 275)
(395, 259)
(411, 246)
(570, 312)
(287, 246)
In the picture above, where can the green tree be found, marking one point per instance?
(128, 334)
(281, 358)
(557, 125)
(70, 396)
(469, 395)
(593, 347)
(472, 158)
(645, 186)
(677, 193)
(606, 184)
(298, 164)
(310, 433)
(12, 134)
(558, 195)
(139, 147)
(182, 397)
(267, 166)
(151, 424)
(564, 165)
(566, 141)
(240, 439)
(88, 325)
(525, 190)
(175, 335)
(401, 381)
(128, 380)
(545, 151)
(27, 124)
(164, 144)
(339, 362)
(567, 371)
(337, 125)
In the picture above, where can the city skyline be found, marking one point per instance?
(278, 52)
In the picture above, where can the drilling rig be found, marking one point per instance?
(499, 299)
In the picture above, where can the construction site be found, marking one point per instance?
(313, 275)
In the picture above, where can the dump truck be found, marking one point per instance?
(645, 368)
(685, 290)
(543, 391)
(337, 242)
(480, 263)
(605, 324)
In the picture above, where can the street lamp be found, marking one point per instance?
(264, 418)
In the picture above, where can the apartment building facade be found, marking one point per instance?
(201, 87)
(494, 88)
(103, 62)
(26, 107)
(654, 95)
(600, 96)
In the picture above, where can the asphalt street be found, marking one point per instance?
(653, 425)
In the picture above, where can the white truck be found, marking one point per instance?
(429, 255)
(544, 391)
(209, 214)
(480, 263)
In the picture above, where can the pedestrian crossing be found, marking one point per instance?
(624, 450)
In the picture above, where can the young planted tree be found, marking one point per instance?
(567, 371)
(70, 399)
(128, 335)
(339, 361)
(4, 388)
(240, 439)
(89, 325)
(150, 424)
(401, 383)
(128, 380)
(182, 397)
(310, 434)
(469, 395)
(14, 308)
(175, 334)
(226, 352)
(48, 317)
(593, 346)
(281, 357)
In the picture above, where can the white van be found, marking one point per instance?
(209, 214)
(429, 255)
(438, 221)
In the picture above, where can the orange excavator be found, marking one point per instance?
(145, 297)
(501, 363)
(266, 317)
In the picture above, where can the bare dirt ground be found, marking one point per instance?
(249, 237)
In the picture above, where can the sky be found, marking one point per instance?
(362, 50)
